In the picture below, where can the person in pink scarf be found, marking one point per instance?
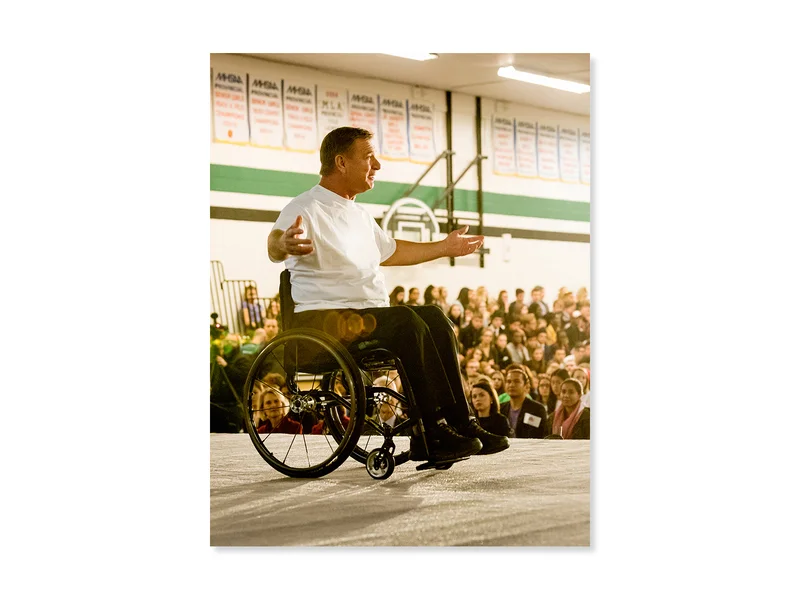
(571, 419)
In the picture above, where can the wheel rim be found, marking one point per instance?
(284, 391)
(379, 464)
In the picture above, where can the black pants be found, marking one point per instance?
(421, 336)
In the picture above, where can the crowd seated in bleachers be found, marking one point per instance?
(547, 345)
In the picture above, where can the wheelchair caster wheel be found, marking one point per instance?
(380, 464)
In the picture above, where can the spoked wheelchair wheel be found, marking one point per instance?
(371, 434)
(285, 386)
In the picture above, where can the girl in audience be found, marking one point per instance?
(398, 296)
(556, 380)
(486, 343)
(251, 310)
(502, 302)
(583, 378)
(537, 364)
(553, 324)
(487, 408)
(455, 313)
(500, 353)
(546, 396)
(571, 418)
(430, 295)
(499, 382)
(463, 298)
(562, 339)
(517, 349)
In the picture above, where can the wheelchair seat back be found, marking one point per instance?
(285, 295)
(367, 353)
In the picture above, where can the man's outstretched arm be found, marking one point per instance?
(414, 253)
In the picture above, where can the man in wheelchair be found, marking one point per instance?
(333, 248)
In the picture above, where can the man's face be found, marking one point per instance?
(477, 322)
(360, 164)
(271, 328)
(516, 384)
(413, 295)
(520, 297)
(559, 355)
(542, 338)
(472, 368)
(496, 322)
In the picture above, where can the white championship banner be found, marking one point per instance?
(394, 128)
(547, 151)
(364, 112)
(300, 116)
(503, 145)
(422, 147)
(569, 167)
(585, 154)
(266, 112)
(230, 107)
(526, 147)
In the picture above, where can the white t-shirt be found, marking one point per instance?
(343, 271)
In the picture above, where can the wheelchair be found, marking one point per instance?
(305, 382)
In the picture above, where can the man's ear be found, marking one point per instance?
(339, 159)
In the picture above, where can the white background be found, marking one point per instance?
(694, 454)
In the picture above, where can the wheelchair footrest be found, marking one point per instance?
(441, 465)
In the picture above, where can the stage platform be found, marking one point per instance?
(536, 493)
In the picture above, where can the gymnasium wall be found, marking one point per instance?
(249, 185)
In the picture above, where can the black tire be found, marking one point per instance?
(380, 464)
(300, 355)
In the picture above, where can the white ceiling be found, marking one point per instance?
(474, 74)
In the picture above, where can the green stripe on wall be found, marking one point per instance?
(244, 180)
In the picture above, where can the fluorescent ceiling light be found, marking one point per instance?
(559, 84)
(415, 55)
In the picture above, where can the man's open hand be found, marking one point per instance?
(458, 244)
(291, 243)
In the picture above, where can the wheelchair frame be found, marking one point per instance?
(326, 403)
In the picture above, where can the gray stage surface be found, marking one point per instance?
(536, 493)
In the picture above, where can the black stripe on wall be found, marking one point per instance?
(270, 216)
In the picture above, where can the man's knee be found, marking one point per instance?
(435, 318)
(406, 321)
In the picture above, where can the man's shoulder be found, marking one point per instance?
(304, 200)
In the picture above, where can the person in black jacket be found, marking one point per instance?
(499, 353)
(528, 418)
(487, 407)
(471, 334)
